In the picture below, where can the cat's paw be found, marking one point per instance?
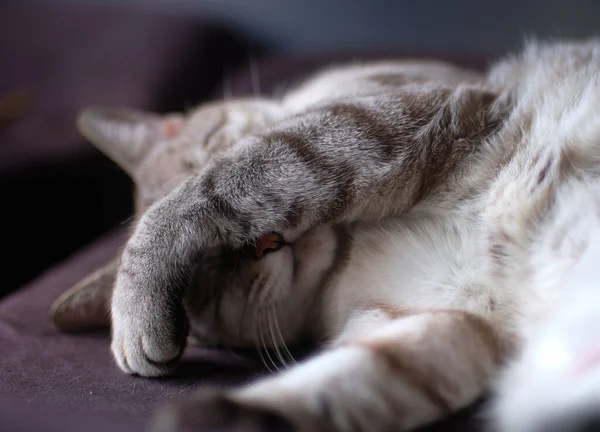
(147, 341)
(215, 410)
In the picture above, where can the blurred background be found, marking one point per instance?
(58, 194)
(427, 25)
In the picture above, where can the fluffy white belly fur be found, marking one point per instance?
(422, 260)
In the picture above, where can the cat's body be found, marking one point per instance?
(439, 228)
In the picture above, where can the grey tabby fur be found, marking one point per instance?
(415, 218)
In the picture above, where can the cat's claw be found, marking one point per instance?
(147, 348)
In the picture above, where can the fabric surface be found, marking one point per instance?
(56, 382)
(57, 58)
(73, 377)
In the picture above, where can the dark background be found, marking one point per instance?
(57, 193)
(423, 25)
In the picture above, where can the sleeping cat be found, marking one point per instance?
(436, 231)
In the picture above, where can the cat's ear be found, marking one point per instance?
(86, 305)
(126, 135)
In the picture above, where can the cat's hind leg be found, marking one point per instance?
(408, 372)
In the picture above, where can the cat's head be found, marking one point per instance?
(239, 297)
(265, 293)
(160, 151)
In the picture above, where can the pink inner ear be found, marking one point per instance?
(172, 127)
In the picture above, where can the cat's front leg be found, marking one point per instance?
(365, 159)
(393, 376)
(148, 322)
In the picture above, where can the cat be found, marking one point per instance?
(434, 229)
(163, 163)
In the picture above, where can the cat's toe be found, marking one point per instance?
(132, 356)
(214, 410)
(148, 348)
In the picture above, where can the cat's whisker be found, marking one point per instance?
(284, 346)
(129, 221)
(267, 353)
(271, 317)
(259, 348)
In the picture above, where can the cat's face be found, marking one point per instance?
(263, 294)
(257, 295)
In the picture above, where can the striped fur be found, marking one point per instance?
(430, 244)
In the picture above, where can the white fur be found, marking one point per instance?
(548, 298)
(516, 242)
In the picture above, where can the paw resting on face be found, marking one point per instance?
(146, 340)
